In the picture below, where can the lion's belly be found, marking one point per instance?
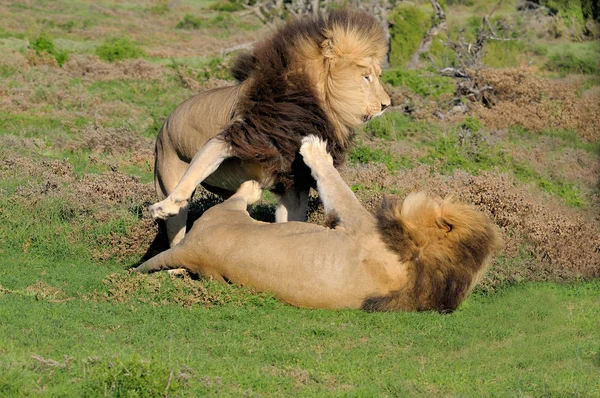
(233, 172)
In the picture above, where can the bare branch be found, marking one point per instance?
(439, 24)
(243, 46)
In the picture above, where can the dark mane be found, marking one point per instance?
(243, 65)
(280, 107)
(443, 259)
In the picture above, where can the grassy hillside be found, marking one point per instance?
(84, 87)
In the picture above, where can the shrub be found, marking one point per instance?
(409, 26)
(190, 22)
(117, 49)
(44, 44)
(441, 54)
(575, 13)
(227, 6)
(159, 9)
(471, 123)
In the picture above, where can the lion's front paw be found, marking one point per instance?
(251, 190)
(313, 148)
(166, 208)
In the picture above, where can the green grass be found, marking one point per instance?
(466, 149)
(410, 24)
(537, 339)
(420, 82)
(44, 43)
(364, 155)
(568, 138)
(568, 57)
(150, 96)
(17, 123)
(222, 21)
(397, 126)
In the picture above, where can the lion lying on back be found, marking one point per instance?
(412, 256)
(313, 76)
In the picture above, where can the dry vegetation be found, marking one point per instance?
(521, 98)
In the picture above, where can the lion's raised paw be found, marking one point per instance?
(165, 209)
(314, 148)
(251, 190)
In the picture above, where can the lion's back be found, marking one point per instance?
(199, 119)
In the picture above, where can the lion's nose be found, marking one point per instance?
(384, 106)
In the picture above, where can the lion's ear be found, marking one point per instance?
(328, 48)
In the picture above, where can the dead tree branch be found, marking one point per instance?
(469, 57)
(438, 25)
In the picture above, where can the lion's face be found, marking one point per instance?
(354, 91)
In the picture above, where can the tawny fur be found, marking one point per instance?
(316, 76)
(416, 255)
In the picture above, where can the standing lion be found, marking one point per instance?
(318, 76)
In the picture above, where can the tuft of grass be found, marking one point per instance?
(190, 22)
(27, 125)
(160, 8)
(215, 68)
(568, 57)
(148, 95)
(503, 54)
(131, 377)
(227, 6)
(119, 48)
(44, 44)
(223, 21)
(569, 138)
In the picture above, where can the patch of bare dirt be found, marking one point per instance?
(113, 187)
(90, 67)
(44, 292)
(112, 141)
(536, 103)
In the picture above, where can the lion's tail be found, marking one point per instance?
(447, 246)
